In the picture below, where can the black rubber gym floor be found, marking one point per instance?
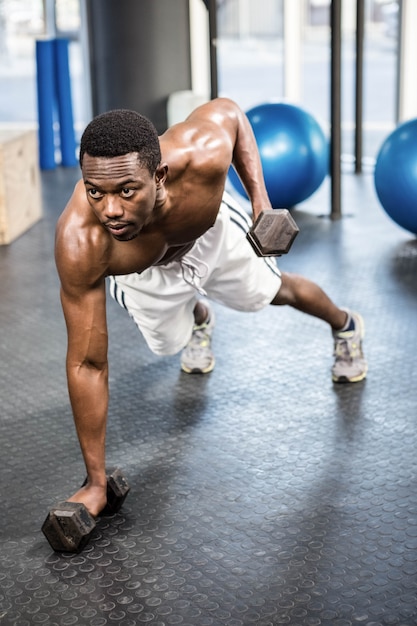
(261, 493)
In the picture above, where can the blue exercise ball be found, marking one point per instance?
(294, 153)
(395, 175)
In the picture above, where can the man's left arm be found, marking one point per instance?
(229, 139)
(246, 159)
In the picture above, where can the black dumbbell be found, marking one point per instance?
(68, 525)
(273, 232)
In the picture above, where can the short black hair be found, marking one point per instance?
(119, 132)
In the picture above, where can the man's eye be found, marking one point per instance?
(127, 192)
(94, 193)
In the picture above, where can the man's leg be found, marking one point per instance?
(197, 357)
(304, 295)
(201, 313)
(347, 326)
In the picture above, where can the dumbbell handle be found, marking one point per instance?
(273, 232)
(68, 525)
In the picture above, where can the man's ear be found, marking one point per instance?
(161, 174)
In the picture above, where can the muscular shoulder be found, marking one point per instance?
(207, 137)
(82, 247)
(221, 114)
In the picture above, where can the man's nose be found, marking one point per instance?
(113, 207)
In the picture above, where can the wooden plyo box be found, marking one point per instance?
(20, 189)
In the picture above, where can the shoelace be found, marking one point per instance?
(200, 337)
(346, 350)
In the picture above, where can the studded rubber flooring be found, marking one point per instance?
(261, 493)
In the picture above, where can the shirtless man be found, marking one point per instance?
(151, 214)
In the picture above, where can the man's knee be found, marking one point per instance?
(286, 292)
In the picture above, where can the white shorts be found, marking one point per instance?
(221, 265)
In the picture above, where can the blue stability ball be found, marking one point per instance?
(396, 175)
(293, 150)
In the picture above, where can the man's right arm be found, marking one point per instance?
(83, 298)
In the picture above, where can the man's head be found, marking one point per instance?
(120, 132)
(120, 158)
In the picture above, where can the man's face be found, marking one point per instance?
(121, 193)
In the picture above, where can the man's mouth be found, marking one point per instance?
(117, 229)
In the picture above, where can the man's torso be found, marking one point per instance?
(197, 170)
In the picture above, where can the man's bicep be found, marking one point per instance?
(85, 317)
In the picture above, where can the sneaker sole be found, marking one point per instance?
(345, 379)
(198, 370)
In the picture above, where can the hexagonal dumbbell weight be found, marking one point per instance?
(68, 525)
(273, 232)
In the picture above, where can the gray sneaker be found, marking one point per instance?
(349, 365)
(197, 357)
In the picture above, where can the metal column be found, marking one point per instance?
(335, 109)
(214, 81)
(360, 29)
